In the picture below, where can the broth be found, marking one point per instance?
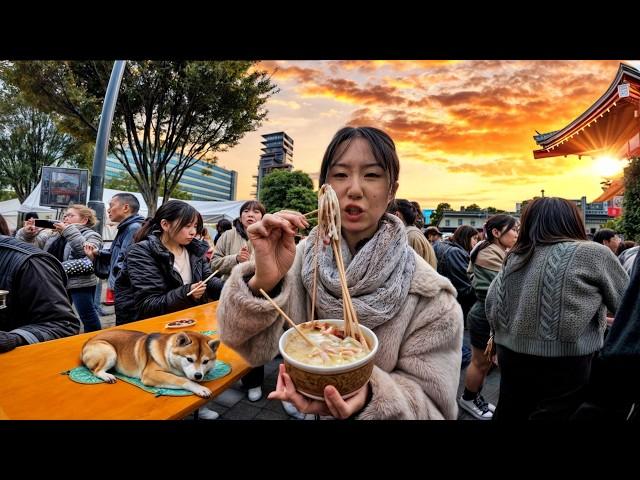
(337, 349)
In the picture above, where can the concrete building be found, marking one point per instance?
(277, 153)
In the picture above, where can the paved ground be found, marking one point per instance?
(234, 405)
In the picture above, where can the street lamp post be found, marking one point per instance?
(102, 143)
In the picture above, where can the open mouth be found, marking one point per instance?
(353, 211)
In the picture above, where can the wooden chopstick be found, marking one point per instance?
(286, 317)
(203, 281)
(310, 214)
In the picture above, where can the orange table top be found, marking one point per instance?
(32, 387)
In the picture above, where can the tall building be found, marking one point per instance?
(277, 153)
(203, 180)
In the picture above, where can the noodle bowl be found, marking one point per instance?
(343, 362)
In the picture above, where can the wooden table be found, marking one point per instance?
(32, 387)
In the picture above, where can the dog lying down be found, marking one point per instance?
(158, 359)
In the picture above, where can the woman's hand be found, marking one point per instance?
(61, 226)
(274, 247)
(333, 404)
(200, 288)
(90, 250)
(243, 255)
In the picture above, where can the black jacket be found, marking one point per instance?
(614, 385)
(113, 257)
(38, 306)
(149, 286)
(453, 261)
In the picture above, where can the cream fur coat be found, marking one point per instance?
(417, 367)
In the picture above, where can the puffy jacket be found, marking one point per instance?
(38, 306)
(148, 285)
(453, 261)
(76, 236)
(114, 256)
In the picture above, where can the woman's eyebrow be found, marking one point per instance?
(368, 165)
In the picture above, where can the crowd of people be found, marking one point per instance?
(534, 294)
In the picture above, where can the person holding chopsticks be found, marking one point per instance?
(408, 305)
(165, 270)
(234, 248)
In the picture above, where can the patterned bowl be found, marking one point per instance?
(310, 380)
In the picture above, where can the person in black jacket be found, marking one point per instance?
(165, 263)
(37, 304)
(453, 260)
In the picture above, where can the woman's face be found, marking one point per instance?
(249, 217)
(474, 241)
(362, 188)
(184, 236)
(73, 216)
(507, 239)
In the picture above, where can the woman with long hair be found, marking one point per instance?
(409, 306)
(485, 262)
(165, 263)
(547, 310)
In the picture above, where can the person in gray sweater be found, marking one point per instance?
(547, 309)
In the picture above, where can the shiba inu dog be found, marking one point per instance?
(158, 359)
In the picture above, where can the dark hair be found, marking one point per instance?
(129, 199)
(419, 221)
(224, 225)
(4, 228)
(502, 223)
(624, 246)
(249, 205)
(406, 209)
(31, 215)
(382, 147)
(253, 205)
(172, 211)
(545, 221)
(432, 231)
(463, 235)
(603, 234)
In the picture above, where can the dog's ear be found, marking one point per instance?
(214, 344)
(182, 339)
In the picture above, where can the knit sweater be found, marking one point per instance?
(417, 366)
(555, 305)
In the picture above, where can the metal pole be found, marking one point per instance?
(102, 143)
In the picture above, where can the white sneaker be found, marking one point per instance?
(293, 411)
(254, 394)
(207, 414)
(491, 406)
(477, 407)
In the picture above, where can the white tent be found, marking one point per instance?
(9, 210)
(212, 212)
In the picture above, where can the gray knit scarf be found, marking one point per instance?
(378, 275)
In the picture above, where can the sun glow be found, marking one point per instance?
(607, 166)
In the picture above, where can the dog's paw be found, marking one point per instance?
(107, 377)
(201, 391)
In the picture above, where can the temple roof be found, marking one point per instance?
(605, 127)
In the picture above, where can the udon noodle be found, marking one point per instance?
(335, 348)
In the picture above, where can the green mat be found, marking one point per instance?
(83, 375)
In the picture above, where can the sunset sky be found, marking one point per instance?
(464, 129)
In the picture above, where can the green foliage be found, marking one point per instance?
(284, 190)
(29, 140)
(631, 205)
(474, 207)
(7, 195)
(185, 110)
(494, 210)
(436, 216)
(616, 224)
